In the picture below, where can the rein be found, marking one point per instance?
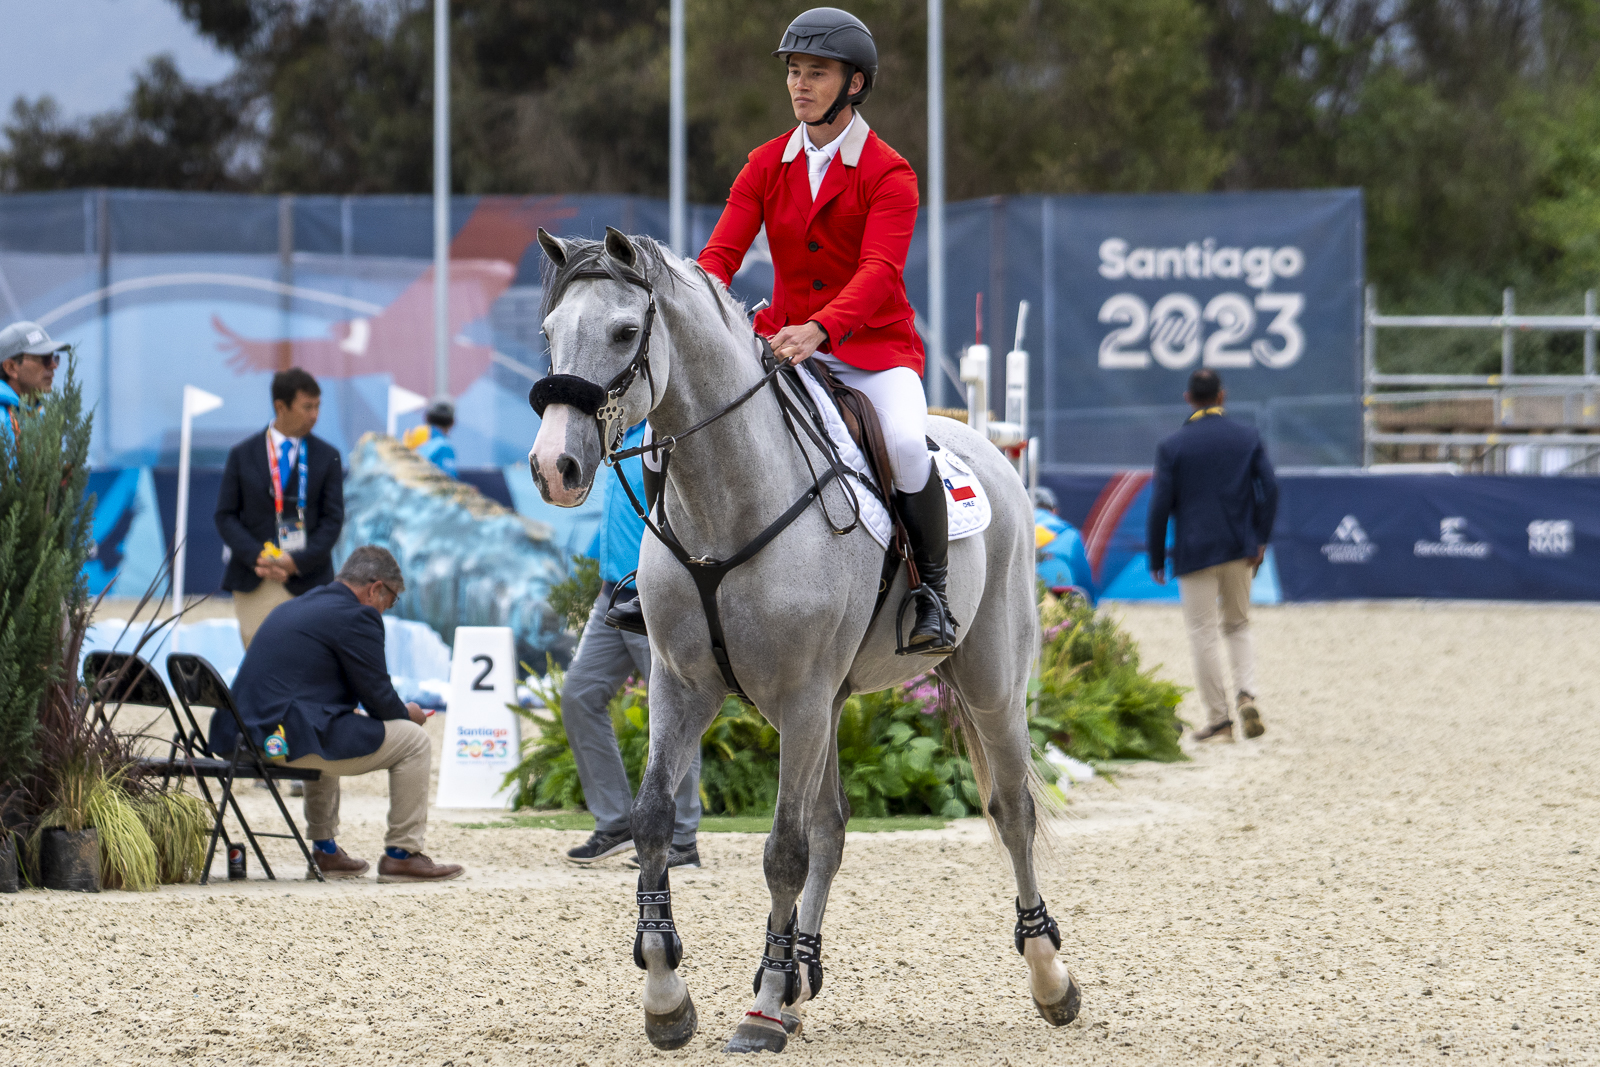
(604, 404)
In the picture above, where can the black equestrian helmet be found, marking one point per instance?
(834, 34)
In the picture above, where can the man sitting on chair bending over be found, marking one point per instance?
(313, 660)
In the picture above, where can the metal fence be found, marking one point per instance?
(1505, 423)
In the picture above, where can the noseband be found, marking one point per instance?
(602, 403)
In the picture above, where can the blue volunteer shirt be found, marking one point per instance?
(616, 545)
(438, 450)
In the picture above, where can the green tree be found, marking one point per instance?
(44, 540)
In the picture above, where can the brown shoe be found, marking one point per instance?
(1250, 717)
(339, 865)
(1217, 731)
(416, 868)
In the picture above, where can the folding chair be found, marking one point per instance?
(197, 684)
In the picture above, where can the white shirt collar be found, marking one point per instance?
(278, 439)
(819, 159)
(830, 149)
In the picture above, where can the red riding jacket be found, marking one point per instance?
(839, 260)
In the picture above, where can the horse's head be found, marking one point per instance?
(599, 316)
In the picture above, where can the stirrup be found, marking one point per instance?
(943, 645)
(617, 615)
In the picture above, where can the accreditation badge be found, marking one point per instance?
(292, 536)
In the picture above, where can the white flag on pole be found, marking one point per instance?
(401, 402)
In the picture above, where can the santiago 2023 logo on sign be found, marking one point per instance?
(1175, 326)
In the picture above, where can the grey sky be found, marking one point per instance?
(85, 52)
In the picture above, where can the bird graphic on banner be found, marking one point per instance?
(399, 340)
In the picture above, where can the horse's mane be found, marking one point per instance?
(653, 263)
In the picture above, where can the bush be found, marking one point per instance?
(1090, 699)
(897, 754)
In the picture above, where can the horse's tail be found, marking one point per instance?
(1048, 803)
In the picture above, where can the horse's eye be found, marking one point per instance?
(625, 333)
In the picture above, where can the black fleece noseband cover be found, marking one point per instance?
(566, 389)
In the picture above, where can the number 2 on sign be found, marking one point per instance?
(488, 665)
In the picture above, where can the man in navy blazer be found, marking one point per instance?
(280, 539)
(1213, 478)
(314, 661)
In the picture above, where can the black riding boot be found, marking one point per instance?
(628, 615)
(927, 522)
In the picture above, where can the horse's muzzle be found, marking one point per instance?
(565, 456)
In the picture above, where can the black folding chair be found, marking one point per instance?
(197, 684)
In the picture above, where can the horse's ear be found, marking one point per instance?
(553, 248)
(620, 248)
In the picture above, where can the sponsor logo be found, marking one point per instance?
(1453, 542)
(1550, 537)
(1350, 543)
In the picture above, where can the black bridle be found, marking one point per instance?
(604, 404)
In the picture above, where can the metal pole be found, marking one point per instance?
(1588, 354)
(1508, 307)
(678, 145)
(936, 192)
(441, 198)
(1369, 363)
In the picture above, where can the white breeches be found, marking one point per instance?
(902, 409)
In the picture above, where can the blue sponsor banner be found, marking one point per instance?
(1264, 288)
(1488, 537)
(1360, 537)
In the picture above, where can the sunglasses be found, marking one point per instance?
(53, 360)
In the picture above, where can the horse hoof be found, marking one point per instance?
(672, 1029)
(792, 1023)
(754, 1037)
(1064, 1010)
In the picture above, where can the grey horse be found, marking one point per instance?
(798, 616)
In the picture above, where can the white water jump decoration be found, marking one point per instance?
(481, 738)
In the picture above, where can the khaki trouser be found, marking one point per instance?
(407, 754)
(1216, 608)
(252, 608)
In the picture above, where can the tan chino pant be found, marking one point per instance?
(252, 608)
(1216, 609)
(407, 754)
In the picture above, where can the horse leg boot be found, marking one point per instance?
(670, 1019)
(928, 524)
(787, 863)
(1006, 749)
(628, 615)
(826, 832)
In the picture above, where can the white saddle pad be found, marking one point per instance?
(964, 497)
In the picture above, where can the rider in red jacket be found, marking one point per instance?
(839, 206)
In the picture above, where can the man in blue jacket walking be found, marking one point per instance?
(605, 658)
(1214, 480)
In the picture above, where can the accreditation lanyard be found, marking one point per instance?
(291, 536)
(1203, 413)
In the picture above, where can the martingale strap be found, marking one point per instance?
(1035, 922)
(784, 964)
(808, 950)
(659, 897)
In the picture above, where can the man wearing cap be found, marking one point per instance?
(28, 361)
(435, 446)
